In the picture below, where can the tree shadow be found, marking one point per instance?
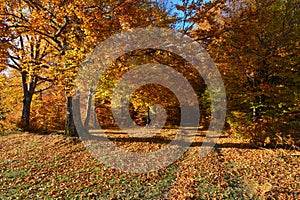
(104, 136)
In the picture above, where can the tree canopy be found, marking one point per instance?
(254, 43)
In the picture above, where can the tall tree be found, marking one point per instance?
(26, 51)
(48, 40)
(257, 52)
(262, 47)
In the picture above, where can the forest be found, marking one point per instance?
(254, 45)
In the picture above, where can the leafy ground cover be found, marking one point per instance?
(53, 166)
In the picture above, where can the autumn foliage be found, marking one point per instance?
(45, 43)
(255, 45)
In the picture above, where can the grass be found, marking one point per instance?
(52, 166)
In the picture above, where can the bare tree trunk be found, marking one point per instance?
(73, 117)
(88, 109)
(70, 128)
(28, 90)
(95, 120)
(148, 119)
(25, 119)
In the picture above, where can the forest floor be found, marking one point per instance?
(34, 166)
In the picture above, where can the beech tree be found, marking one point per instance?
(48, 40)
(40, 34)
(261, 48)
(255, 45)
(25, 51)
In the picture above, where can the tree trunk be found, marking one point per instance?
(88, 109)
(28, 91)
(70, 128)
(25, 119)
(95, 119)
(148, 119)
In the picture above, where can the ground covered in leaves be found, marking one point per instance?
(52, 166)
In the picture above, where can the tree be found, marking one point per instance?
(28, 50)
(46, 41)
(257, 52)
(150, 94)
(46, 44)
(11, 92)
(203, 21)
(263, 42)
(48, 110)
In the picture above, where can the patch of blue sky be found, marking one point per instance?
(181, 24)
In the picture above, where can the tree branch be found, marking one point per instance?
(62, 27)
(14, 67)
(41, 90)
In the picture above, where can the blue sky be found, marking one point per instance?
(179, 13)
